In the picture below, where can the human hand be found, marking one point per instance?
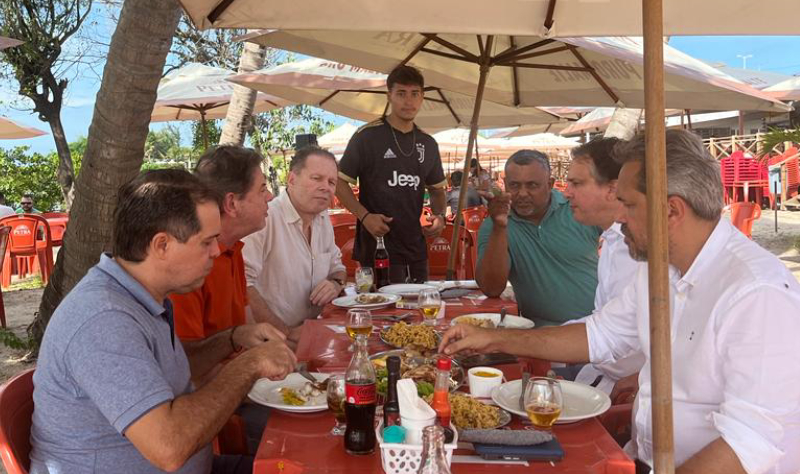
(251, 335)
(273, 360)
(436, 227)
(625, 389)
(465, 337)
(499, 206)
(325, 292)
(377, 224)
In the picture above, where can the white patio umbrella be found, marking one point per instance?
(786, 90)
(572, 114)
(8, 42)
(360, 94)
(337, 139)
(200, 92)
(515, 17)
(595, 121)
(11, 130)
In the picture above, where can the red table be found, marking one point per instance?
(294, 443)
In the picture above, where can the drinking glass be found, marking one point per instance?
(543, 402)
(336, 398)
(359, 322)
(364, 279)
(429, 301)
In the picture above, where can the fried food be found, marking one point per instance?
(291, 397)
(469, 413)
(402, 335)
(480, 322)
(367, 298)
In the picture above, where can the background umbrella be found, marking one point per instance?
(786, 90)
(8, 42)
(337, 139)
(10, 130)
(199, 92)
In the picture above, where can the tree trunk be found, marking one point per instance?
(238, 120)
(66, 171)
(624, 123)
(115, 146)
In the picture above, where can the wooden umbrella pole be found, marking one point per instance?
(205, 130)
(473, 134)
(657, 246)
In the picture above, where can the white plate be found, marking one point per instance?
(267, 392)
(350, 301)
(580, 401)
(517, 322)
(493, 317)
(406, 290)
(465, 284)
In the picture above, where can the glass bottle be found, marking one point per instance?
(441, 392)
(360, 402)
(434, 460)
(381, 264)
(391, 409)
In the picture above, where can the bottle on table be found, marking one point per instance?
(359, 407)
(441, 397)
(391, 408)
(433, 460)
(381, 264)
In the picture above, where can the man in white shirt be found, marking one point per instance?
(734, 312)
(592, 195)
(293, 266)
(5, 210)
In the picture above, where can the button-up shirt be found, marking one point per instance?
(282, 265)
(735, 320)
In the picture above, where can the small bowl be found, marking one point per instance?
(482, 386)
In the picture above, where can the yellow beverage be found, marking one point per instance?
(543, 415)
(353, 331)
(430, 312)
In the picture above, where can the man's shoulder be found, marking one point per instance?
(369, 128)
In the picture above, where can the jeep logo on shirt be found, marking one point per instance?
(404, 180)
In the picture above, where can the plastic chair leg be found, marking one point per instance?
(2, 310)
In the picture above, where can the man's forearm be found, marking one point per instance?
(716, 458)
(438, 200)
(493, 267)
(345, 195)
(558, 343)
(262, 313)
(205, 354)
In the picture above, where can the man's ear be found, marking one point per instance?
(160, 245)
(611, 195)
(230, 205)
(677, 211)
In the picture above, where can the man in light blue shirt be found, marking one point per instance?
(112, 389)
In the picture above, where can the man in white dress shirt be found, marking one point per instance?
(293, 266)
(592, 194)
(734, 312)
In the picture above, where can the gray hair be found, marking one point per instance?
(526, 157)
(692, 174)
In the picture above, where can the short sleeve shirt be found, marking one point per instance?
(217, 305)
(392, 169)
(108, 357)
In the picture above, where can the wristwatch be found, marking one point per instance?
(340, 281)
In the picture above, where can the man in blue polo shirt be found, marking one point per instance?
(112, 389)
(533, 241)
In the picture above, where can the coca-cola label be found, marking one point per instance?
(360, 394)
(382, 263)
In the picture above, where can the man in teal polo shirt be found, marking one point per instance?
(533, 241)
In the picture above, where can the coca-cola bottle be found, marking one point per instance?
(381, 264)
(434, 460)
(391, 408)
(360, 401)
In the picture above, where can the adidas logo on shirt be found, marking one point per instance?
(389, 154)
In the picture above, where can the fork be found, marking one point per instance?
(302, 369)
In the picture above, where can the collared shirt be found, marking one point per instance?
(735, 318)
(6, 211)
(217, 305)
(283, 267)
(553, 264)
(33, 211)
(106, 360)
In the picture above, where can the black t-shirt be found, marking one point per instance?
(392, 175)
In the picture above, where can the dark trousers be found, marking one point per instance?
(232, 464)
(416, 272)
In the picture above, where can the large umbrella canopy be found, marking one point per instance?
(360, 94)
(531, 71)
(572, 114)
(337, 139)
(453, 144)
(10, 130)
(516, 17)
(8, 42)
(786, 90)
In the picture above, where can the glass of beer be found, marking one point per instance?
(364, 279)
(359, 322)
(429, 302)
(543, 402)
(336, 398)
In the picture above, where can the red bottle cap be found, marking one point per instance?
(443, 363)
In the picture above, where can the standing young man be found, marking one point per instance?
(393, 161)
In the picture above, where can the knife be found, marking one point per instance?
(526, 376)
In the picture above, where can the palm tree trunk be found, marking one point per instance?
(115, 146)
(238, 119)
(66, 171)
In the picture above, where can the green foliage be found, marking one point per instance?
(163, 150)
(9, 339)
(777, 136)
(214, 130)
(24, 172)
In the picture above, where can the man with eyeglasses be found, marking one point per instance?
(26, 205)
(533, 241)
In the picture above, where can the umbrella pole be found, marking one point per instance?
(205, 130)
(657, 246)
(473, 133)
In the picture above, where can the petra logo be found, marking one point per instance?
(403, 180)
(22, 230)
(440, 244)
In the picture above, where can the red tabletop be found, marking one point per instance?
(294, 443)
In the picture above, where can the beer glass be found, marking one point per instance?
(429, 302)
(359, 322)
(543, 402)
(336, 398)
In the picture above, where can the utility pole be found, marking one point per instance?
(744, 59)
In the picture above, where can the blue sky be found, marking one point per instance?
(779, 54)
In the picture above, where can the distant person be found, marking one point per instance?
(26, 205)
(393, 162)
(5, 210)
(480, 178)
(473, 198)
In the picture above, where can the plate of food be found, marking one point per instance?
(407, 290)
(580, 401)
(482, 320)
(366, 300)
(468, 413)
(418, 336)
(417, 365)
(293, 394)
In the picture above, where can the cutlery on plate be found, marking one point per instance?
(526, 376)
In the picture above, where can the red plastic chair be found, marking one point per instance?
(342, 218)
(4, 233)
(618, 422)
(743, 214)
(58, 226)
(16, 409)
(344, 234)
(439, 253)
(24, 242)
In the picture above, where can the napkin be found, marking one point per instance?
(411, 406)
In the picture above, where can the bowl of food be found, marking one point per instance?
(401, 335)
(468, 413)
(417, 365)
(481, 320)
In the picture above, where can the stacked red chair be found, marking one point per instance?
(30, 239)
